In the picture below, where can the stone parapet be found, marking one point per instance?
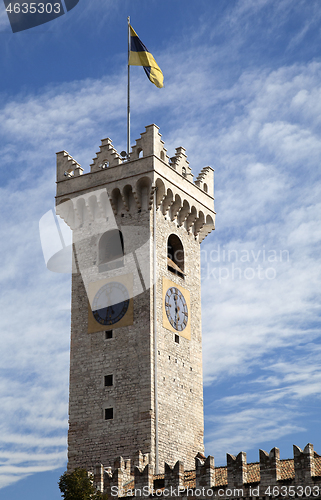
(304, 463)
(67, 166)
(270, 469)
(130, 182)
(271, 477)
(236, 469)
(205, 472)
(144, 478)
(174, 476)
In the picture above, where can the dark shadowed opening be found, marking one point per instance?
(111, 250)
(175, 255)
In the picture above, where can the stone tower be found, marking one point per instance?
(136, 344)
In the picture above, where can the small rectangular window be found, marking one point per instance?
(108, 334)
(109, 413)
(108, 380)
(177, 339)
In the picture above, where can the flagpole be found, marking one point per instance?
(155, 337)
(128, 93)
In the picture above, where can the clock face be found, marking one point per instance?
(110, 303)
(176, 308)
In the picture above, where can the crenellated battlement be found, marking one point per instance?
(205, 180)
(253, 480)
(130, 184)
(67, 166)
(179, 162)
(106, 157)
(236, 469)
(149, 143)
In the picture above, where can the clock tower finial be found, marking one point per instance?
(136, 343)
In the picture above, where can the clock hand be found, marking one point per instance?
(109, 301)
(177, 309)
(175, 299)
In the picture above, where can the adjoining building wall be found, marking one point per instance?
(126, 357)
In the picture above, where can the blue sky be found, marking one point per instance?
(242, 94)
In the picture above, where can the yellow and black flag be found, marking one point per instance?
(140, 56)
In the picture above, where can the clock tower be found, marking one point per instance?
(136, 343)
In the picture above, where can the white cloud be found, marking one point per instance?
(243, 430)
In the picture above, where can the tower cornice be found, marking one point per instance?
(148, 168)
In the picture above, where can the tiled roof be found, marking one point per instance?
(287, 469)
(220, 476)
(190, 479)
(253, 473)
(317, 463)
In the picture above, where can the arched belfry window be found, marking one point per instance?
(111, 250)
(175, 255)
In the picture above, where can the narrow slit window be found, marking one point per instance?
(108, 380)
(109, 413)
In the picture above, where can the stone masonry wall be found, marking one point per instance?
(180, 385)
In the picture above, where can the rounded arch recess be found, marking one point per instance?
(110, 250)
(175, 255)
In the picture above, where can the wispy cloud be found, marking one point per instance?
(269, 407)
(243, 430)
